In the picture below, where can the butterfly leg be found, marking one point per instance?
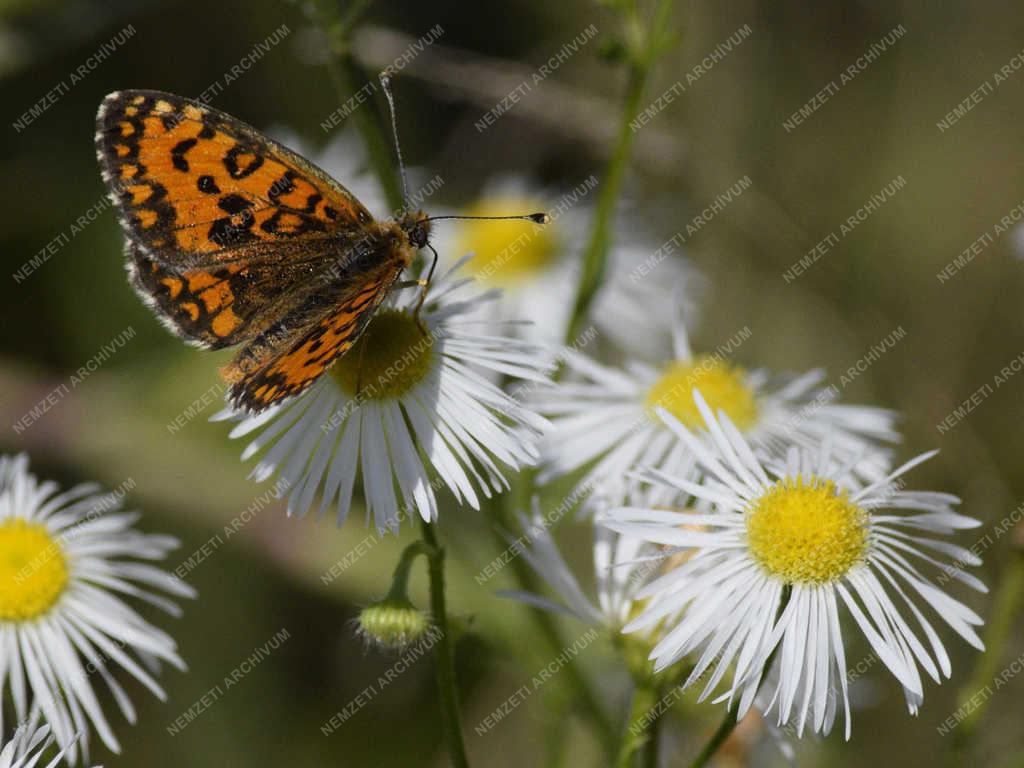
(426, 287)
(411, 283)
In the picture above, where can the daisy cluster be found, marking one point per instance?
(749, 529)
(748, 526)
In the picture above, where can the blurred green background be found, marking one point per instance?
(728, 124)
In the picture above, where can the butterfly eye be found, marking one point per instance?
(418, 236)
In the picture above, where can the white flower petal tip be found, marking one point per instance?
(619, 570)
(31, 741)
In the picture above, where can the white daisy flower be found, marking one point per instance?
(537, 267)
(603, 417)
(66, 562)
(621, 567)
(809, 530)
(409, 408)
(27, 745)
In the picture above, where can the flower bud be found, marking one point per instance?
(393, 623)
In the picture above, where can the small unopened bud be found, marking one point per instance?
(393, 623)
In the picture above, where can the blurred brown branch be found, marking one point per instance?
(485, 80)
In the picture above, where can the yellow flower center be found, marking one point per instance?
(506, 252)
(33, 572)
(805, 531)
(721, 385)
(391, 356)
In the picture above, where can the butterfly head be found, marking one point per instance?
(416, 226)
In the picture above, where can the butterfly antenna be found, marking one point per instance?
(385, 82)
(536, 218)
(426, 287)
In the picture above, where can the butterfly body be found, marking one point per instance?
(233, 239)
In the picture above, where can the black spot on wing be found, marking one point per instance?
(312, 201)
(307, 226)
(234, 204)
(207, 185)
(233, 230)
(231, 162)
(178, 153)
(282, 186)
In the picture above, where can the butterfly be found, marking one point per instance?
(233, 239)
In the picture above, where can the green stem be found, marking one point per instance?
(445, 656)
(729, 722)
(595, 257)
(1005, 611)
(727, 726)
(648, 41)
(641, 734)
(400, 579)
(345, 73)
(649, 755)
(583, 695)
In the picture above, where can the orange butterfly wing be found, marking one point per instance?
(222, 223)
(193, 185)
(289, 356)
(221, 306)
(233, 238)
